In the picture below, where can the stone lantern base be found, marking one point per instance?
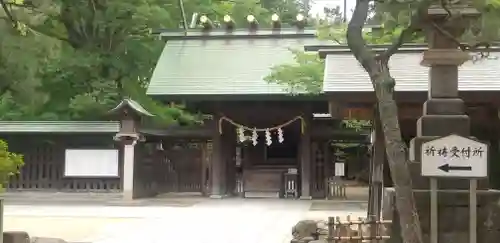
(453, 216)
(444, 114)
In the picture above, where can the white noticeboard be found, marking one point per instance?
(455, 156)
(91, 163)
(339, 169)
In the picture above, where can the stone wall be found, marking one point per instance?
(453, 211)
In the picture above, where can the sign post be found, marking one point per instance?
(473, 211)
(454, 156)
(434, 210)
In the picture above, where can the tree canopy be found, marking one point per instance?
(74, 60)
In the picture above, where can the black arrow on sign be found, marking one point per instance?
(447, 168)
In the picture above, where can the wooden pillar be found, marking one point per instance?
(230, 152)
(376, 169)
(305, 159)
(218, 162)
(494, 149)
(206, 167)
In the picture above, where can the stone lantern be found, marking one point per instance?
(130, 114)
(444, 114)
(444, 111)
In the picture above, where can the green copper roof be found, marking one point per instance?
(344, 74)
(133, 105)
(59, 126)
(223, 66)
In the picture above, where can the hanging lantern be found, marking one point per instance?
(254, 137)
(269, 140)
(241, 134)
(280, 135)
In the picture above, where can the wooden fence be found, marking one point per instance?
(44, 157)
(357, 231)
(336, 188)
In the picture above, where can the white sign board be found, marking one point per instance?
(339, 169)
(91, 163)
(455, 156)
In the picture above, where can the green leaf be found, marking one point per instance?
(10, 163)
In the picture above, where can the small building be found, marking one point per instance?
(259, 132)
(348, 87)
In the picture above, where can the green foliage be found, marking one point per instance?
(239, 9)
(395, 17)
(75, 60)
(307, 73)
(304, 76)
(9, 163)
(357, 125)
(485, 28)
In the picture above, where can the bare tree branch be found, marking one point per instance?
(481, 47)
(403, 37)
(10, 17)
(406, 34)
(462, 46)
(355, 40)
(15, 22)
(444, 5)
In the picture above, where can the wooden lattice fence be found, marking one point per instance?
(357, 231)
(336, 188)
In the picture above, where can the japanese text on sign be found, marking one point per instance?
(454, 152)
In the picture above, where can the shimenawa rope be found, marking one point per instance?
(302, 125)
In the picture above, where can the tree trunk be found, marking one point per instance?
(396, 149)
(397, 157)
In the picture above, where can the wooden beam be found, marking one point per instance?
(365, 112)
(305, 160)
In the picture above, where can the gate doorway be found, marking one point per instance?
(350, 158)
(184, 166)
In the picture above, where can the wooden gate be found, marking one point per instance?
(184, 167)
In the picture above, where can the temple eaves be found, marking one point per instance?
(324, 50)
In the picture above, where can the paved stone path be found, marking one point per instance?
(211, 221)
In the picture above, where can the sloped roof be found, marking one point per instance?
(344, 74)
(224, 66)
(59, 126)
(132, 104)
